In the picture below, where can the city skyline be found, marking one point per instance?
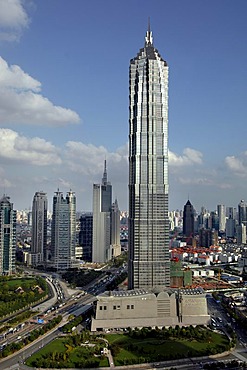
(64, 106)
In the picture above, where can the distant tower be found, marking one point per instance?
(221, 210)
(102, 202)
(242, 213)
(86, 235)
(149, 260)
(241, 234)
(188, 220)
(39, 228)
(63, 235)
(115, 230)
(7, 236)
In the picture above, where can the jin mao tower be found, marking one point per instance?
(149, 263)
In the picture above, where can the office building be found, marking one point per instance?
(149, 301)
(86, 235)
(63, 234)
(102, 203)
(149, 263)
(115, 229)
(188, 220)
(242, 213)
(7, 236)
(221, 210)
(241, 234)
(39, 228)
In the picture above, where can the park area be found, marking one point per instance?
(133, 347)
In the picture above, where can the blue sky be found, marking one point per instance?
(64, 96)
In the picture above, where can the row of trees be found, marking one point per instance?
(81, 278)
(31, 290)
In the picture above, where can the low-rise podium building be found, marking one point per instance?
(140, 308)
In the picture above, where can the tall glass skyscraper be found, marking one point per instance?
(39, 228)
(7, 236)
(149, 262)
(63, 231)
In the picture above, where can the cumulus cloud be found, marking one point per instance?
(238, 165)
(13, 19)
(22, 103)
(89, 159)
(189, 157)
(34, 151)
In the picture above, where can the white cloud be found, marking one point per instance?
(89, 159)
(34, 151)
(21, 102)
(189, 157)
(238, 165)
(13, 19)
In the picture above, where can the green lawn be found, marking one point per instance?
(63, 345)
(128, 350)
(151, 349)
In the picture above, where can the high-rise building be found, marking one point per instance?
(39, 228)
(102, 202)
(63, 234)
(86, 235)
(242, 213)
(7, 236)
(221, 210)
(149, 262)
(115, 229)
(188, 220)
(241, 234)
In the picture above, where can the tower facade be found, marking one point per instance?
(102, 201)
(39, 228)
(115, 229)
(63, 233)
(221, 210)
(188, 220)
(86, 236)
(242, 213)
(7, 236)
(149, 263)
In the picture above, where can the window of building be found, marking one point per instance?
(100, 307)
(132, 306)
(105, 308)
(114, 307)
(128, 306)
(118, 307)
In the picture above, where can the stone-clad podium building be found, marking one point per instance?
(140, 308)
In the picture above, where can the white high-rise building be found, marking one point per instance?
(221, 210)
(115, 230)
(102, 202)
(39, 228)
(149, 261)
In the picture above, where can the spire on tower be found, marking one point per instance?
(104, 178)
(149, 35)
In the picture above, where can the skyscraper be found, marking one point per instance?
(63, 233)
(39, 228)
(149, 263)
(242, 213)
(86, 235)
(188, 220)
(7, 236)
(115, 229)
(102, 202)
(221, 210)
